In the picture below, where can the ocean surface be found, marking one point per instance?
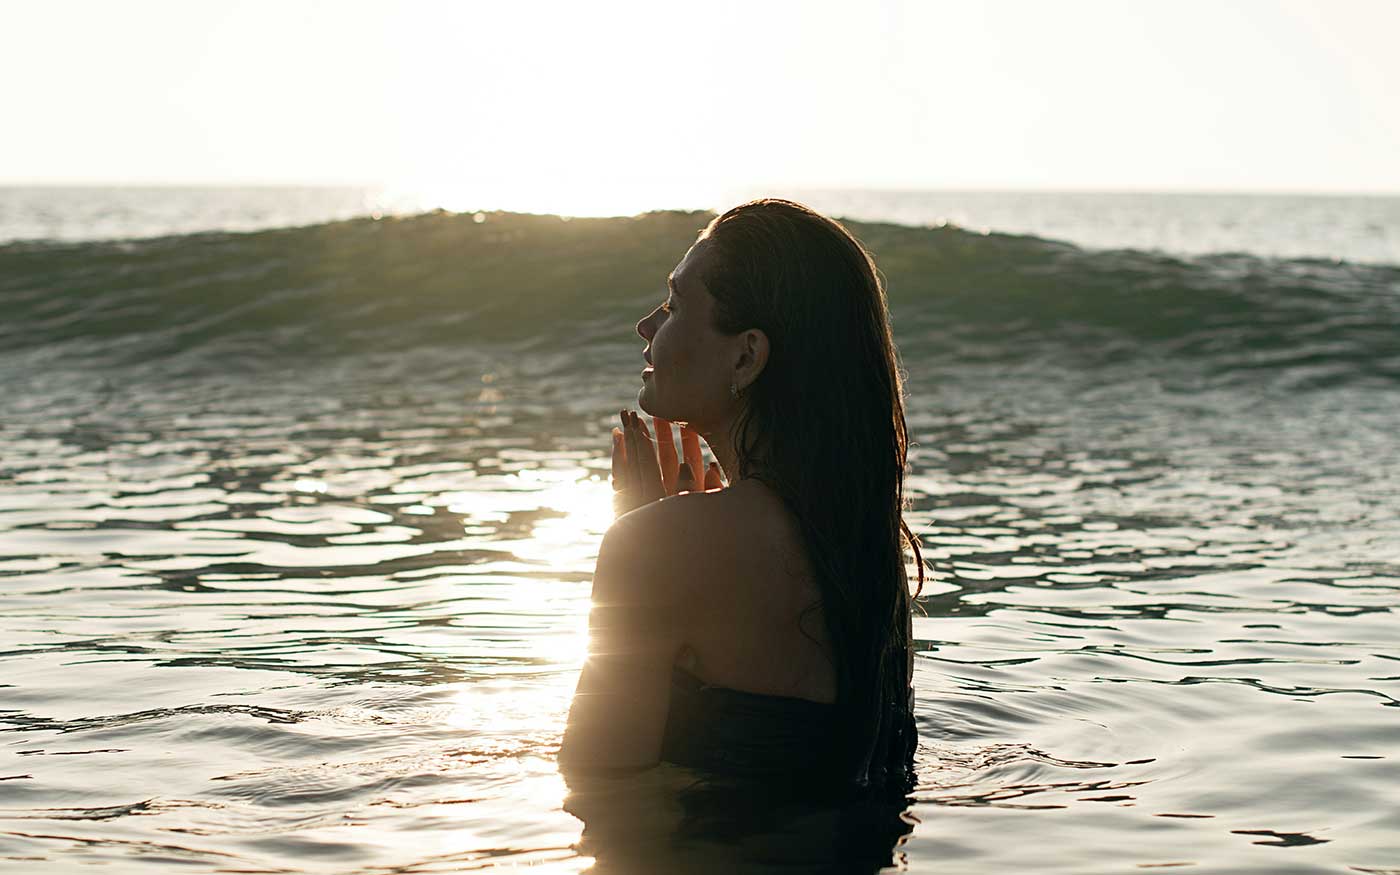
(297, 526)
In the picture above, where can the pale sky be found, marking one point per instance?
(515, 96)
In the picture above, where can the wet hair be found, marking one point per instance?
(823, 426)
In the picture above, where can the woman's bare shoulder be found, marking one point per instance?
(689, 538)
(676, 527)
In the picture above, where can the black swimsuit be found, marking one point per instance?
(773, 783)
(744, 734)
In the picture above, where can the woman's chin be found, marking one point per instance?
(646, 402)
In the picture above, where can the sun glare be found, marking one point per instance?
(568, 197)
(590, 115)
(568, 537)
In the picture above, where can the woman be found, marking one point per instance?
(761, 629)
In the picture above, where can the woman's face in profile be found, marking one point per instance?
(688, 380)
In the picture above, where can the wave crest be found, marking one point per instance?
(442, 279)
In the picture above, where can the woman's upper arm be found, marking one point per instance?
(618, 715)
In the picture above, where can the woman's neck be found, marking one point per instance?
(723, 449)
(721, 444)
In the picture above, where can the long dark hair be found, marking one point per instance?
(823, 426)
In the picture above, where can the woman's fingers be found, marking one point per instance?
(647, 469)
(690, 446)
(625, 497)
(643, 475)
(634, 452)
(619, 460)
(666, 450)
(685, 481)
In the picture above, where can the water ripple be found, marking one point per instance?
(343, 634)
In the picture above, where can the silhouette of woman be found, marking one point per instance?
(759, 629)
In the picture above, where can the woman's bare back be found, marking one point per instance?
(755, 621)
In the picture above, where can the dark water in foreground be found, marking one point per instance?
(295, 564)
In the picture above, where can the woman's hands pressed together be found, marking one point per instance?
(646, 469)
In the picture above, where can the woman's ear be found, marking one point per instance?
(752, 357)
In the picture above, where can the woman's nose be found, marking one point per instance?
(645, 327)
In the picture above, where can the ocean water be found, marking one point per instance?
(297, 525)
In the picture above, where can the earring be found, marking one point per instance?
(734, 391)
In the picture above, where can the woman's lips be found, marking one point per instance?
(646, 372)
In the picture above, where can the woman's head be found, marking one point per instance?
(787, 306)
(695, 369)
(769, 272)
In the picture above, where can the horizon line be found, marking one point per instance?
(817, 188)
